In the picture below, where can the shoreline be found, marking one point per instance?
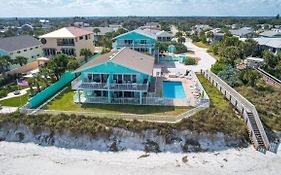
(16, 158)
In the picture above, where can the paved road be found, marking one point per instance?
(206, 60)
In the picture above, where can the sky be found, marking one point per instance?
(60, 8)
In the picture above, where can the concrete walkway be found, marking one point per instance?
(11, 94)
(7, 109)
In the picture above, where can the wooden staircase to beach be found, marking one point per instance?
(256, 129)
(256, 132)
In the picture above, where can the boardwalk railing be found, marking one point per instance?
(246, 108)
(269, 78)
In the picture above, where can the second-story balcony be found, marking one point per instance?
(133, 45)
(78, 84)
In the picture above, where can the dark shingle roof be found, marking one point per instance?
(18, 42)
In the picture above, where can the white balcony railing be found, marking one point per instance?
(134, 45)
(78, 84)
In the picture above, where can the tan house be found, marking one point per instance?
(67, 40)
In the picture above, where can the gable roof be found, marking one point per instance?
(164, 34)
(20, 42)
(125, 57)
(270, 33)
(270, 42)
(242, 31)
(67, 32)
(141, 32)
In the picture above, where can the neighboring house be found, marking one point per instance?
(103, 30)
(270, 34)
(141, 40)
(164, 36)
(67, 40)
(217, 35)
(199, 28)
(81, 24)
(245, 32)
(22, 45)
(152, 25)
(118, 77)
(271, 44)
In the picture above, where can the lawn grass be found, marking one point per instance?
(15, 101)
(65, 102)
(201, 45)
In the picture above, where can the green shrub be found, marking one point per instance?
(3, 93)
(190, 61)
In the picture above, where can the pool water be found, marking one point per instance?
(173, 89)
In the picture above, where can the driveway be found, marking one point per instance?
(206, 61)
(12, 95)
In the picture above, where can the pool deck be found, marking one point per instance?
(187, 84)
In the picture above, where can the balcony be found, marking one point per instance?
(77, 84)
(133, 45)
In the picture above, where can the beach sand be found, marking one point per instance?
(29, 159)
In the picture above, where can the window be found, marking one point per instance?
(31, 49)
(25, 50)
(97, 78)
(104, 77)
(11, 53)
(36, 47)
(68, 51)
(76, 39)
(134, 78)
(143, 41)
(32, 57)
(81, 37)
(128, 41)
(86, 36)
(38, 55)
(128, 94)
(49, 51)
(127, 78)
(65, 42)
(18, 51)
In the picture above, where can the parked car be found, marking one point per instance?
(16, 92)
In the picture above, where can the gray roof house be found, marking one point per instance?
(16, 43)
(270, 34)
(245, 32)
(271, 44)
(22, 45)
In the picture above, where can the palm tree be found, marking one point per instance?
(30, 84)
(37, 80)
(96, 30)
(5, 62)
(44, 73)
(179, 34)
(86, 53)
(21, 60)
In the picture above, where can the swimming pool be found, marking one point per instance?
(173, 89)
